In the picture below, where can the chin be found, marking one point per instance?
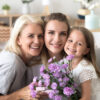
(35, 54)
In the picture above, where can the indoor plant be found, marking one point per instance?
(5, 9)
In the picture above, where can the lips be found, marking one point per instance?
(35, 47)
(56, 45)
(71, 50)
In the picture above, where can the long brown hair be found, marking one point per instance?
(91, 55)
(59, 17)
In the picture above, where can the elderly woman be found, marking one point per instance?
(25, 43)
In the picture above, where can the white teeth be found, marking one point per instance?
(34, 47)
(72, 50)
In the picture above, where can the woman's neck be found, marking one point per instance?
(26, 60)
(58, 56)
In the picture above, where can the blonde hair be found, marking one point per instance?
(59, 17)
(20, 23)
(91, 56)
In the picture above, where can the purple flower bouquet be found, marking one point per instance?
(57, 80)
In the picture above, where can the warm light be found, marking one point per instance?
(45, 2)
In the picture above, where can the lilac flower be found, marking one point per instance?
(62, 84)
(60, 79)
(56, 91)
(42, 69)
(61, 61)
(47, 82)
(51, 67)
(65, 79)
(50, 60)
(54, 85)
(51, 95)
(64, 66)
(35, 79)
(58, 97)
(68, 91)
(33, 94)
(46, 76)
(75, 85)
(54, 67)
(57, 74)
(70, 57)
(31, 86)
(39, 83)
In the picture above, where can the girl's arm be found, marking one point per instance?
(86, 90)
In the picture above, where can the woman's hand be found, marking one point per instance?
(41, 95)
(24, 94)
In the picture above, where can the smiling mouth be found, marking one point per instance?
(35, 47)
(71, 50)
(56, 45)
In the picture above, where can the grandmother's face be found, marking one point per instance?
(31, 40)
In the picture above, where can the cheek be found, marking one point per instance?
(65, 47)
(47, 38)
(64, 40)
(42, 42)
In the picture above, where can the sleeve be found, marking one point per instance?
(7, 74)
(95, 89)
(87, 74)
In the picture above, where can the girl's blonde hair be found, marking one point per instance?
(20, 23)
(91, 56)
(59, 17)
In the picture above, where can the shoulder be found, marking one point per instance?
(87, 71)
(86, 65)
(10, 59)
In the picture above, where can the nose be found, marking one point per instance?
(56, 38)
(36, 40)
(73, 45)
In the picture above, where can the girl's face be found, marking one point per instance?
(55, 37)
(76, 44)
(31, 40)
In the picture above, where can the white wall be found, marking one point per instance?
(69, 7)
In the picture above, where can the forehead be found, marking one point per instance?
(56, 25)
(77, 34)
(31, 26)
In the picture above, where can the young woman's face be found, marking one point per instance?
(76, 44)
(31, 40)
(55, 36)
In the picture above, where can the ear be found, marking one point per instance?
(87, 51)
(19, 41)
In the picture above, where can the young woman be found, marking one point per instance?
(56, 33)
(25, 43)
(80, 43)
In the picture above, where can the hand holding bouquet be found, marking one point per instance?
(57, 80)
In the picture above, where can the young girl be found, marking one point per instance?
(80, 43)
